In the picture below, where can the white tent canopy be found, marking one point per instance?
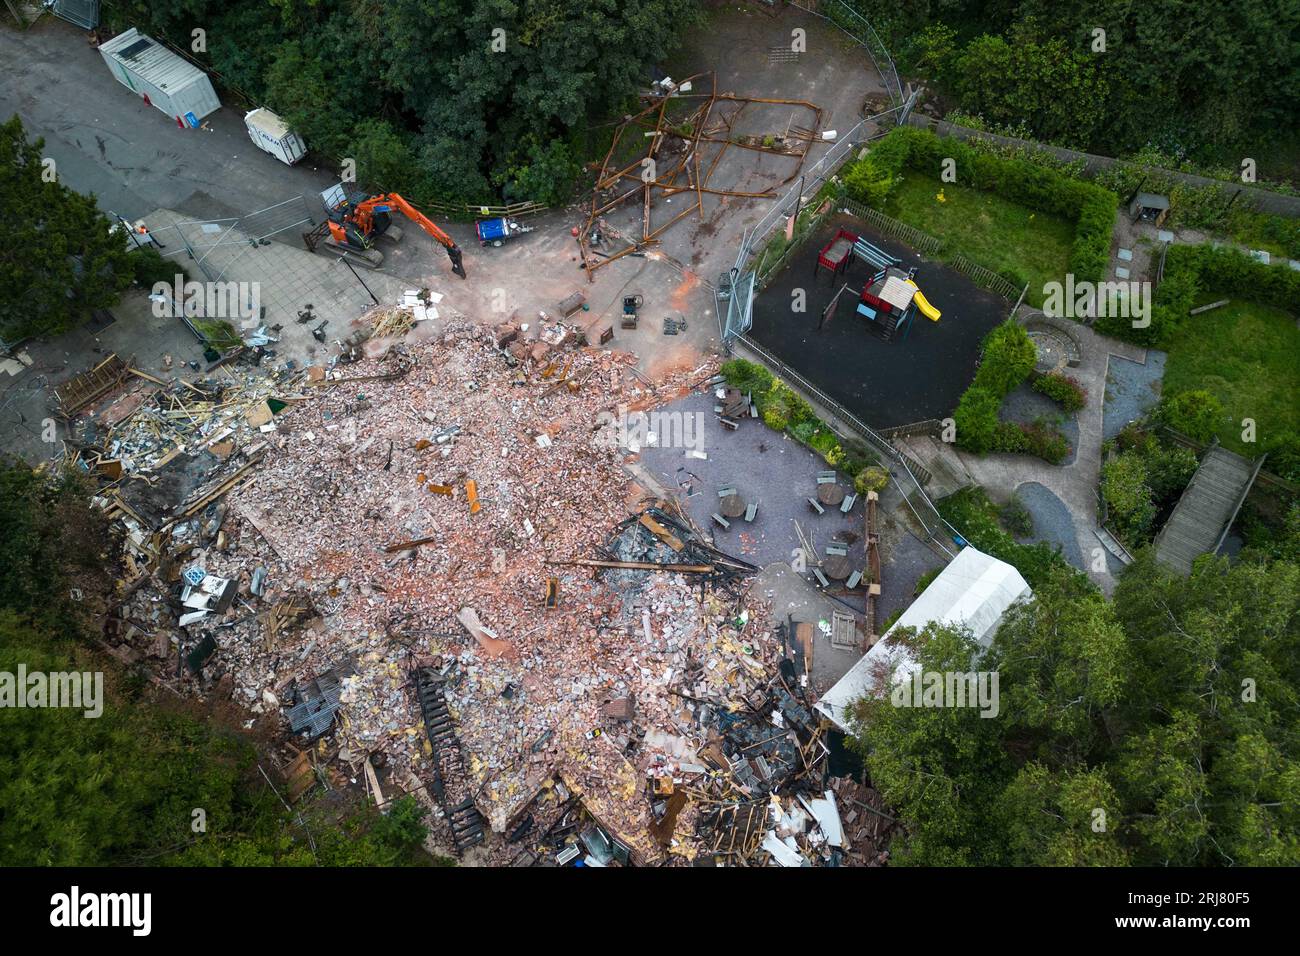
(973, 591)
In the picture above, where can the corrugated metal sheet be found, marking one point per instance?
(83, 13)
(146, 67)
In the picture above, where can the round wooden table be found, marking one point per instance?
(830, 494)
(732, 506)
(837, 567)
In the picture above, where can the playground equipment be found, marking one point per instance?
(889, 300)
(923, 304)
(837, 253)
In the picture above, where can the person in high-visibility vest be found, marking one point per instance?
(148, 238)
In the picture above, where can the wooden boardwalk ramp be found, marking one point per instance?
(1205, 512)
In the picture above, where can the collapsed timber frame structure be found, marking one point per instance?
(680, 145)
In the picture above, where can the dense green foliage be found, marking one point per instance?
(59, 258)
(1208, 81)
(1218, 208)
(977, 519)
(1142, 482)
(451, 101)
(1194, 271)
(1062, 389)
(1245, 355)
(1003, 236)
(1018, 180)
(1007, 358)
(123, 788)
(1195, 413)
(1158, 730)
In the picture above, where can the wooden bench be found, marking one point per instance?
(751, 511)
(816, 507)
(847, 505)
(720, 520)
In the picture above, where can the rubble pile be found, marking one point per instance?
(432, 556)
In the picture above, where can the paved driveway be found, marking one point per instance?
(103, 139)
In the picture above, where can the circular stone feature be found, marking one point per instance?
(1055, 350)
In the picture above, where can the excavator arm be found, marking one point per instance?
(390, 201)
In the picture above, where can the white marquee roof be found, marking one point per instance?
(973, 591)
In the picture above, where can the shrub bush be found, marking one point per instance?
(1063, 390)
(925, 580)
(1016, 518)
(872, 478)
(1007, 357)
(775, 418)
(150, 268)
(1038, 439)
(1197, 414)
(1283, 452)
(976, 420)
(1008, 438)
(747, 376)
(1128, 496)
(976, 518)
(1045, 442)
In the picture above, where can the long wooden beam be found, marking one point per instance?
(635, 565)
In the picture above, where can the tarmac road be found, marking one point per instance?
(103, 139)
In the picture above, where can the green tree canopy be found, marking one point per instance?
(1156, 730)
(59, 258)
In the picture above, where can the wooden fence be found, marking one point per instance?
(985, 278)
(928, 426)
(914, 237)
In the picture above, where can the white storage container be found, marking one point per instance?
(272, 134)
(171, 83)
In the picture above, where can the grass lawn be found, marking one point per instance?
(987, 229)
(1248, 356)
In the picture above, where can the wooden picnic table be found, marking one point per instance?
(837, 566)
(830, 494)
(732, 506)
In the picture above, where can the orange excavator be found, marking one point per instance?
(357, 220)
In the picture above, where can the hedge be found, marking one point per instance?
(1091, 207)
(1007, 356)
(1063, 390)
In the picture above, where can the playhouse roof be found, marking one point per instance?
(973, 591)
(897, 292)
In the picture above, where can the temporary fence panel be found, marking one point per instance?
(81, 13)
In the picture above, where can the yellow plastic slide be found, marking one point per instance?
(927, 310)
